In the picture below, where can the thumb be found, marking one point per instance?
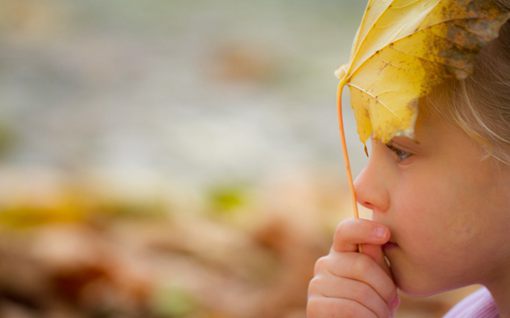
(375, 252)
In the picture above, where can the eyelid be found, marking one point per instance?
(398, 149)
(393, 145)
(410, 145)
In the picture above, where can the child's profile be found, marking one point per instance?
(440, 205)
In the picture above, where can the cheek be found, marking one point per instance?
(433, 214)
(418, 217)
(438, 221)
(429, 235)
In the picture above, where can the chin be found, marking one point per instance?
(418, 285)
(419, 292)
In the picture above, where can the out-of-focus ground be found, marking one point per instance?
(171, 158)
(77, 249)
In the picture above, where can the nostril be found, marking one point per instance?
(366, 204)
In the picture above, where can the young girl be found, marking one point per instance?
(440, 206)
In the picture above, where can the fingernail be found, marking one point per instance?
(380, 232)
(395, 302)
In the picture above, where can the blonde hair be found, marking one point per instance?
(480, 104)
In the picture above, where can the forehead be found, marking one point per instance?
(429, 125)
(436, 133)
(435, 119)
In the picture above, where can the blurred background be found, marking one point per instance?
(171, 158)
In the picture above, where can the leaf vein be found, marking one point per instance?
(407, 37)
(364, 91)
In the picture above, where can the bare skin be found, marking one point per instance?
(445, 208)
(350, 284)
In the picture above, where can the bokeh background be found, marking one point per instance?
(171, 158)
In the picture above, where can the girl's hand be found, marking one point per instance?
(351, 284)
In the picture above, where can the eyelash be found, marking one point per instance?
(401, 154)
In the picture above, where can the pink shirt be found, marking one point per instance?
(479, 304)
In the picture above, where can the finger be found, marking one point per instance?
(324, 307)
(375, 252)
(331, 286)
(358, 267)
(350, 233)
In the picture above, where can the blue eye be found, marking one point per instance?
(401, 154)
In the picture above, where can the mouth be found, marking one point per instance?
(389, 246)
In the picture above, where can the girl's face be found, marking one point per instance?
(447, 207)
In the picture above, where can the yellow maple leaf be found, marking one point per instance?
(403, 49)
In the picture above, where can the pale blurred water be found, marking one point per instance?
(191, 92)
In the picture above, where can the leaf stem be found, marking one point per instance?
(347, 163)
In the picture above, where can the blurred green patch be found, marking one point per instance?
(227, 200)
(174, 302)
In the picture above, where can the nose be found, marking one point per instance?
(371, 186)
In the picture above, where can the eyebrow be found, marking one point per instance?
(406, 139)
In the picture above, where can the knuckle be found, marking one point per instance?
(362, 293)
(314, 286)
(341, 228)
(352, 310)
(321, 265)
(345, 231)
(361, 265)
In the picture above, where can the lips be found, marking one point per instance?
(389, 245)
